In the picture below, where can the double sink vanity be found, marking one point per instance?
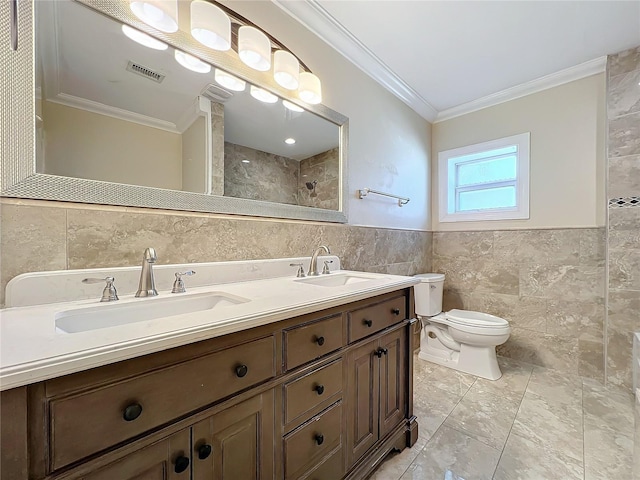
(251, 373)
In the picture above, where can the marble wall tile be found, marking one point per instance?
(523, 312)
(624, 310)
(31, 239)
(538, 246)
(624, 94)
(462, 244)
(583, 320)
(591, 359)
(623, 62)
(619, 348)
(624, 268)
(581, 283)
(324, 170)
(624, 135)
(481, 274)
(624, 175)
(593, 246)
(624, 219)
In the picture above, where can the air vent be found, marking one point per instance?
(145, 72)
(216, 94)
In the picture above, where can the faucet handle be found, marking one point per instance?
(300, 273)
(109, 294)
(178, 284)
(325, 269)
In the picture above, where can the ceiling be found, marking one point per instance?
(446, 58)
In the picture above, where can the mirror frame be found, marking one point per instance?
(18, 173)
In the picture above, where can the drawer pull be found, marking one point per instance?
(182, 463)
(380, 351)
(241, 370)
(204, 451)
(395, 311)
(368, 323)
(320, 341)
(319, 389)
(131, 412)
(319, 439)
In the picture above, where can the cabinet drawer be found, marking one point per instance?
(371, 319)
(331, 468)
(86, 423)
(313, 340)
(308, 445)
(305, 393)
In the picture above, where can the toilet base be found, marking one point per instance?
(478, 361)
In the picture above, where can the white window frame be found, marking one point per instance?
(446, 182)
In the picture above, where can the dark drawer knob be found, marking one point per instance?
(320, 341)
(384, 350)
(204, 451)
(378, 353)
(319, 389)
(368, 323)
(182, 463)
(131, 412)
(395, 311)
(241, 370)
(319, 439)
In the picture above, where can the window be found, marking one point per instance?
(486, 181)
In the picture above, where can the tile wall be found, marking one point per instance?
(324, 169)
(548, 283)
(623, 191)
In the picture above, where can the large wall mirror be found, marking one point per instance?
(117, 122)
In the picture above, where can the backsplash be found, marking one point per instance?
(548, 283)
(40, 235)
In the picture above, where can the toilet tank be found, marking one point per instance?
(428, 294)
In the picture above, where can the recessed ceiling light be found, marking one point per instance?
(192, 63)
(292, 106)
(143, 39)
(290, 141)
(263, 95)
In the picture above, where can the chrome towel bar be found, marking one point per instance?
(366, 191)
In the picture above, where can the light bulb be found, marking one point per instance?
(286, 69)
(292, 106)
(254, 48)
(310, 89)
(290, 141)
(229, 81)
(263, 95)
(143, 39)
(160, 14)
(192, 63)
(210, 25)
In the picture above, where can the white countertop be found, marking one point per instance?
(32, 349)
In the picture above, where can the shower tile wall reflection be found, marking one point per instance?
(320, 180)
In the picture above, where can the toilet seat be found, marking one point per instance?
(474, 322)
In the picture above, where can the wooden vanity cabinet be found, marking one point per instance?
(323, 396)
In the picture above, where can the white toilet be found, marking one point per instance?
(459, 339)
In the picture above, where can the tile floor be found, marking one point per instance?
(533, 423)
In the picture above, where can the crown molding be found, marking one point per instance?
(567, 75)
(316, 19)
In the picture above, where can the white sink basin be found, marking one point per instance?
(335, 279)
(114, 314)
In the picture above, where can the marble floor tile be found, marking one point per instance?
(557, 387)
(514, 380)
(453, 455)
(442, 378)
(608, 454)
(485, 416)
(609, 406)
(523, 459)
(396, 464)
(556, 426)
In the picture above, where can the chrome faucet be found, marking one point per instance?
(313, 266)
(147, 285)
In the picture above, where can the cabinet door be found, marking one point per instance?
(393, 388)
(167, 459)
(362, 398)
(237, 443)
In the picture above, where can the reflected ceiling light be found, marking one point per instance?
(160, 14)
(143, 39)
(210, 25)
(263, 95)
(290, 141)
(286, 69)
(310, 90)
(254, 48)
(192, 63)
(229, 81)
(292, 106)
(246, 161)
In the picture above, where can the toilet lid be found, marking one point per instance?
(477, 319)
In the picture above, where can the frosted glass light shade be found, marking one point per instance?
(310, 89)
(143, 39)
(229, 81)
(192, 63)
(286, 69)
(160, 14)
(263, 95)
(292, 106)
(210, 25)
(254, 48)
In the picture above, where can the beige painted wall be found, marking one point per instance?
(88, 145)
(194, 157)
(567, 125)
